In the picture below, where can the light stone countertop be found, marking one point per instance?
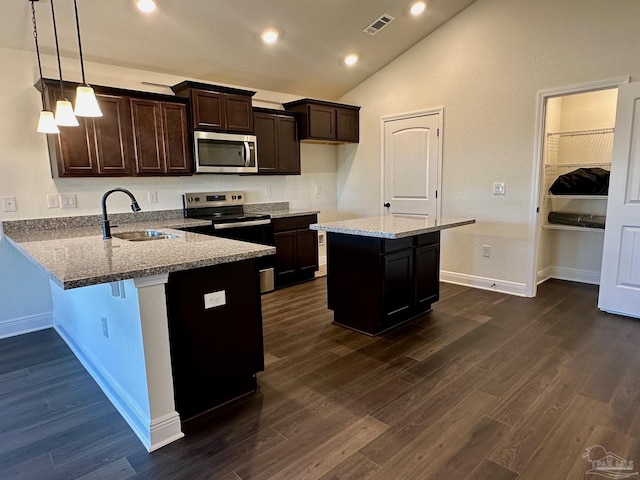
(390, 226)
(78, 257)
(289, 213)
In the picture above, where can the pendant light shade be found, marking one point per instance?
(86, 102)
(47, 123)
(64, 114)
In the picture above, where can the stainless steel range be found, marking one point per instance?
(229, 220)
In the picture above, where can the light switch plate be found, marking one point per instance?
(153, 197)
(499, 188)
(53, 201)
(68, 200)
(215, 299)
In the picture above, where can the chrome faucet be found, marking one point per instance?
(106, 229)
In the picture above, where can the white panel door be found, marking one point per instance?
(411, 165)
(620, 277)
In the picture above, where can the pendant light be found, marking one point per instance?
(64, 110)
(86, 102)
(46, 123)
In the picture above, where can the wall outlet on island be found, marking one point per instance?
(215, 299)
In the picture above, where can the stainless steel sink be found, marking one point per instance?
(144, 235)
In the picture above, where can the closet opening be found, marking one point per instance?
(576, 159)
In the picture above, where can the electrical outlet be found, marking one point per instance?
(153, 197)
(53, 201)
(105, 327)
(499, 188)
(9, 204)
(320, 238)
(486, 250)
(68, 200)
(318, 189)
(215, 299)
(267, 191)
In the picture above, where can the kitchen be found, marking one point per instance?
(485, 47)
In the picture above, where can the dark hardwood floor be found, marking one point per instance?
(487, 386)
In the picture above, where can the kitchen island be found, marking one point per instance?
(383, 271)
(145, 317)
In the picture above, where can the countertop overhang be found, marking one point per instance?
(391, 226)
(79, 257)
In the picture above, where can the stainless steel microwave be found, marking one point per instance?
(225, 153)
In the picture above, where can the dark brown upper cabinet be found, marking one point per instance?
(139, 134)
(278, 145)
(326, 121)
(99, 146)
(161, 145)
(217, 108)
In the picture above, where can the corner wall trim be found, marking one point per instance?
(484, 283)
(28, 324)
(153, 433)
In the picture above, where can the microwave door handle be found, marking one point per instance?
(247, 154)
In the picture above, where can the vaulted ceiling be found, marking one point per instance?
(219, 40)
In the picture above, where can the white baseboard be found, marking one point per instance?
(153, 433)
(571, 274)
(31, 323)
(484, 283)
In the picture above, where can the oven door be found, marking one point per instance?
(225, 153)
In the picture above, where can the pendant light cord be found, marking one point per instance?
(55, 34)
(35, 37)
(75, 5)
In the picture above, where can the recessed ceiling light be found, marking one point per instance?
(417, 8)
(351, 59)
(146, 6)
(270, 36)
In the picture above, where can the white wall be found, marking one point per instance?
(25, 171)
(485, 67)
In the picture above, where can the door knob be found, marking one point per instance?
(387, 204)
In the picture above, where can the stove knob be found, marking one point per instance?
(197, 199)
(190, 199)
(233, 197)
(239, 197)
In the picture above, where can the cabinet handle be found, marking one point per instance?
(387, 204)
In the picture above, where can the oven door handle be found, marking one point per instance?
(251, 223)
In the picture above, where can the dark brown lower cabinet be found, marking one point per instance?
(296, 249)
(215, 352)
(374, 284)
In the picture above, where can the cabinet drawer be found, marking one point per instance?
(293, 223)
(428, 238)
(389, 246)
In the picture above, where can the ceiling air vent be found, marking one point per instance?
(379, 24)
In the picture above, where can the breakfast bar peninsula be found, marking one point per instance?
(383, 271)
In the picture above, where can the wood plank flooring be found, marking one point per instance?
(485, 387)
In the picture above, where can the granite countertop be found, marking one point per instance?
(390, 226)
(277, 210)
(78, 257)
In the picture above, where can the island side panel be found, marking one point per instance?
(215, 352)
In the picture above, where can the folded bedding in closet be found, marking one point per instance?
(577, 219)
(583, 181)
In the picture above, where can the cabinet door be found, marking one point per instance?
(286, 253)
(398, 285)
(322, 122)
(74, 150)
(239, 115)
(266, 129)
(148, 142)
(177, 150)
(288, 146)
(307, 250)
(427, 275)
(208, 110)
(111, 135)
(347, 125)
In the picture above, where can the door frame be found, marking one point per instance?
(439, 111)
(535, 222)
